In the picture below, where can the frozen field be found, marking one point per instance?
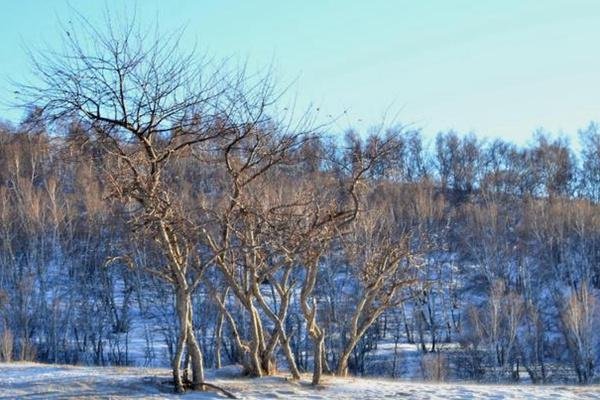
(38, 381)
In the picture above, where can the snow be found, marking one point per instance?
(52, 382)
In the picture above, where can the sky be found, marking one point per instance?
(494, 68)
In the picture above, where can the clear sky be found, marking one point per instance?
(492, 67)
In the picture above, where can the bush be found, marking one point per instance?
(6, 346)
(434, 367)
(28, 351)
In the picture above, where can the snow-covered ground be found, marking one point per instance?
(40, 381)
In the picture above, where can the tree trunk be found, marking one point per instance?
(268, 363)
(256, 365)
(318, 359)
(181, 340)
(279, 335)
(218, 340)
(187, 339)
(342, 369)
(187, 373)
(289, 355)
(197, 361)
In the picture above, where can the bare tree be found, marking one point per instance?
(145, 104)
(381, 259)
(580, 324)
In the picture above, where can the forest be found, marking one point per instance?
(156, 210)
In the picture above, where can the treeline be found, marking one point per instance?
(504, 258)
(151, 200)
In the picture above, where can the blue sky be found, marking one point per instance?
(495, 68)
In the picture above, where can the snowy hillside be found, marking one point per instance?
(39, 381)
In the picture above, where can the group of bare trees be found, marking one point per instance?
(253, 211)
(148, 185)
